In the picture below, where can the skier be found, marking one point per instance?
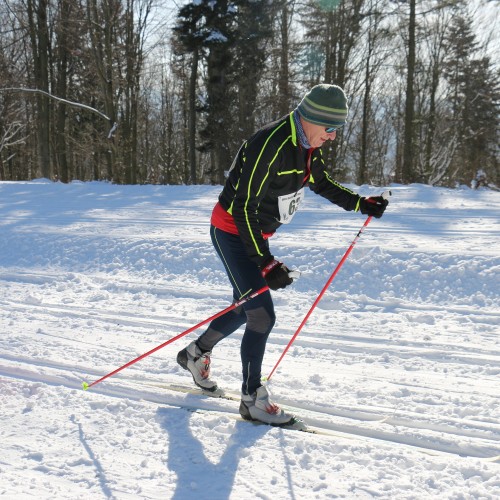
(264, 189)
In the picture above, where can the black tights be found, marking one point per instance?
(257, 314)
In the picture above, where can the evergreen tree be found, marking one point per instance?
(228, 40)
(219, 41)
(253, 31)
(474, 98)
(189, 41)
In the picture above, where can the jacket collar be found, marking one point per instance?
(297, 131)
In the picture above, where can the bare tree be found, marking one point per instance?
(407, 174)
(12, 135)
(102, 26)
(37, 17)
(188, 44)
(377, 38)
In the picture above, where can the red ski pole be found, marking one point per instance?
(320, 296)
(177, 337)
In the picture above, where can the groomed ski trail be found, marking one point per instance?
(358, 423)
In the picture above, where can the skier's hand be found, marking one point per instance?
(276, 275)
(374, 206)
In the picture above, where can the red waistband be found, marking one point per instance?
(225, 222)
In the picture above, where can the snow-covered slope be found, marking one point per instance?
(400, 361)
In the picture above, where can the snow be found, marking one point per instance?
(399, 362)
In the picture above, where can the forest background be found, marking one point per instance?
(143, 91)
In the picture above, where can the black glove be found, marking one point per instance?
(374, 205)
(276, 275)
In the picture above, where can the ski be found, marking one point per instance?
(295, 424)
(342, 430)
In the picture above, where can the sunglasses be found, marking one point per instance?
(329, 130)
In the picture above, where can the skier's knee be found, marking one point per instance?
(260, 320)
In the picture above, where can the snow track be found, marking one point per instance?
(396, 426)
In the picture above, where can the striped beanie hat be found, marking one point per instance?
(324, 105)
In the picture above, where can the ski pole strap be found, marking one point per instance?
(177, 337)
(320, 296)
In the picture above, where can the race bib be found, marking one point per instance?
(288, 204)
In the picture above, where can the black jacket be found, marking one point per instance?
(269, 165)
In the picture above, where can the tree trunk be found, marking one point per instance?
(193, 78)
(61, 90)
(219, 103)
(283, 81)
(101, 28)
(39, 36)
(363, 161)
(408, 152)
